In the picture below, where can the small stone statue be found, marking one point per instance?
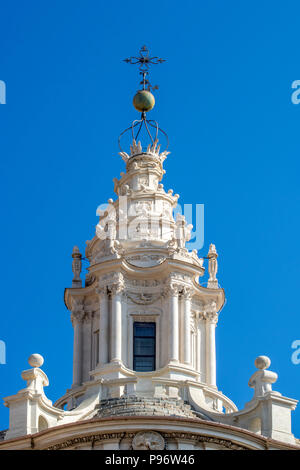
(182, 231)
(212, 267)
(106, 230)
(111, 231)
(76, 267)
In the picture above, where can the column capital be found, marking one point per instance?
(77, 317)
(116, 284)
(211, 317)
(78, 312)
(187, 292)
(110, 283)
(200, 316)
(101, 290)
(172, 289)
(117, 289)
(89, 315)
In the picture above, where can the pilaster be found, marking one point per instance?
(77, 319)
(211, 321)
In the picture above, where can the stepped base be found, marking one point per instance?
(141, 406)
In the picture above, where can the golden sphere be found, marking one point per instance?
(143, 101)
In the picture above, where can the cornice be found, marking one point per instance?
(86, 430)
(163, 270)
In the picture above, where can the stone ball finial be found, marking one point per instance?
(262, 362)
(36, 360)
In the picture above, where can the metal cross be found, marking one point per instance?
(145, 61)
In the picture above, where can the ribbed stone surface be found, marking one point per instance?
(133, 406)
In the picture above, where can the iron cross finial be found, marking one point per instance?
(144, 60)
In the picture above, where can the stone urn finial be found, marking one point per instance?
(76, 267)
(212, 267)
(262, 379)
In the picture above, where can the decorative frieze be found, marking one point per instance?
(148, 440)
(143, 283)
(143, 299)
(145, 260)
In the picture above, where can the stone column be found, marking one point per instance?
(124, 355)
(173, 324)
(198, 348)
(116, 323)
(211, 321)
(77, 319)
(186, 296)
(87, 346)
(103, 326)
(202, 347)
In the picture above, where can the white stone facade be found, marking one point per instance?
(141, 271)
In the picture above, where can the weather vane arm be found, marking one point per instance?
(144, 100)
(144, 61)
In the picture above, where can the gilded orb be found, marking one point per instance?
(143, 101)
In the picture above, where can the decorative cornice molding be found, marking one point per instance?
(86, 439)
(204, 439)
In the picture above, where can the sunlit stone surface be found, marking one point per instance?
(142, 278)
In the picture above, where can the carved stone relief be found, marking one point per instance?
(148, 440)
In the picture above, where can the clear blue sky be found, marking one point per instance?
(225, 101)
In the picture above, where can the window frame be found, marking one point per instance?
(153, 356)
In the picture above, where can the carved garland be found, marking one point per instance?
(143, 299)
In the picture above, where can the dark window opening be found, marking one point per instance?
(143, 346)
